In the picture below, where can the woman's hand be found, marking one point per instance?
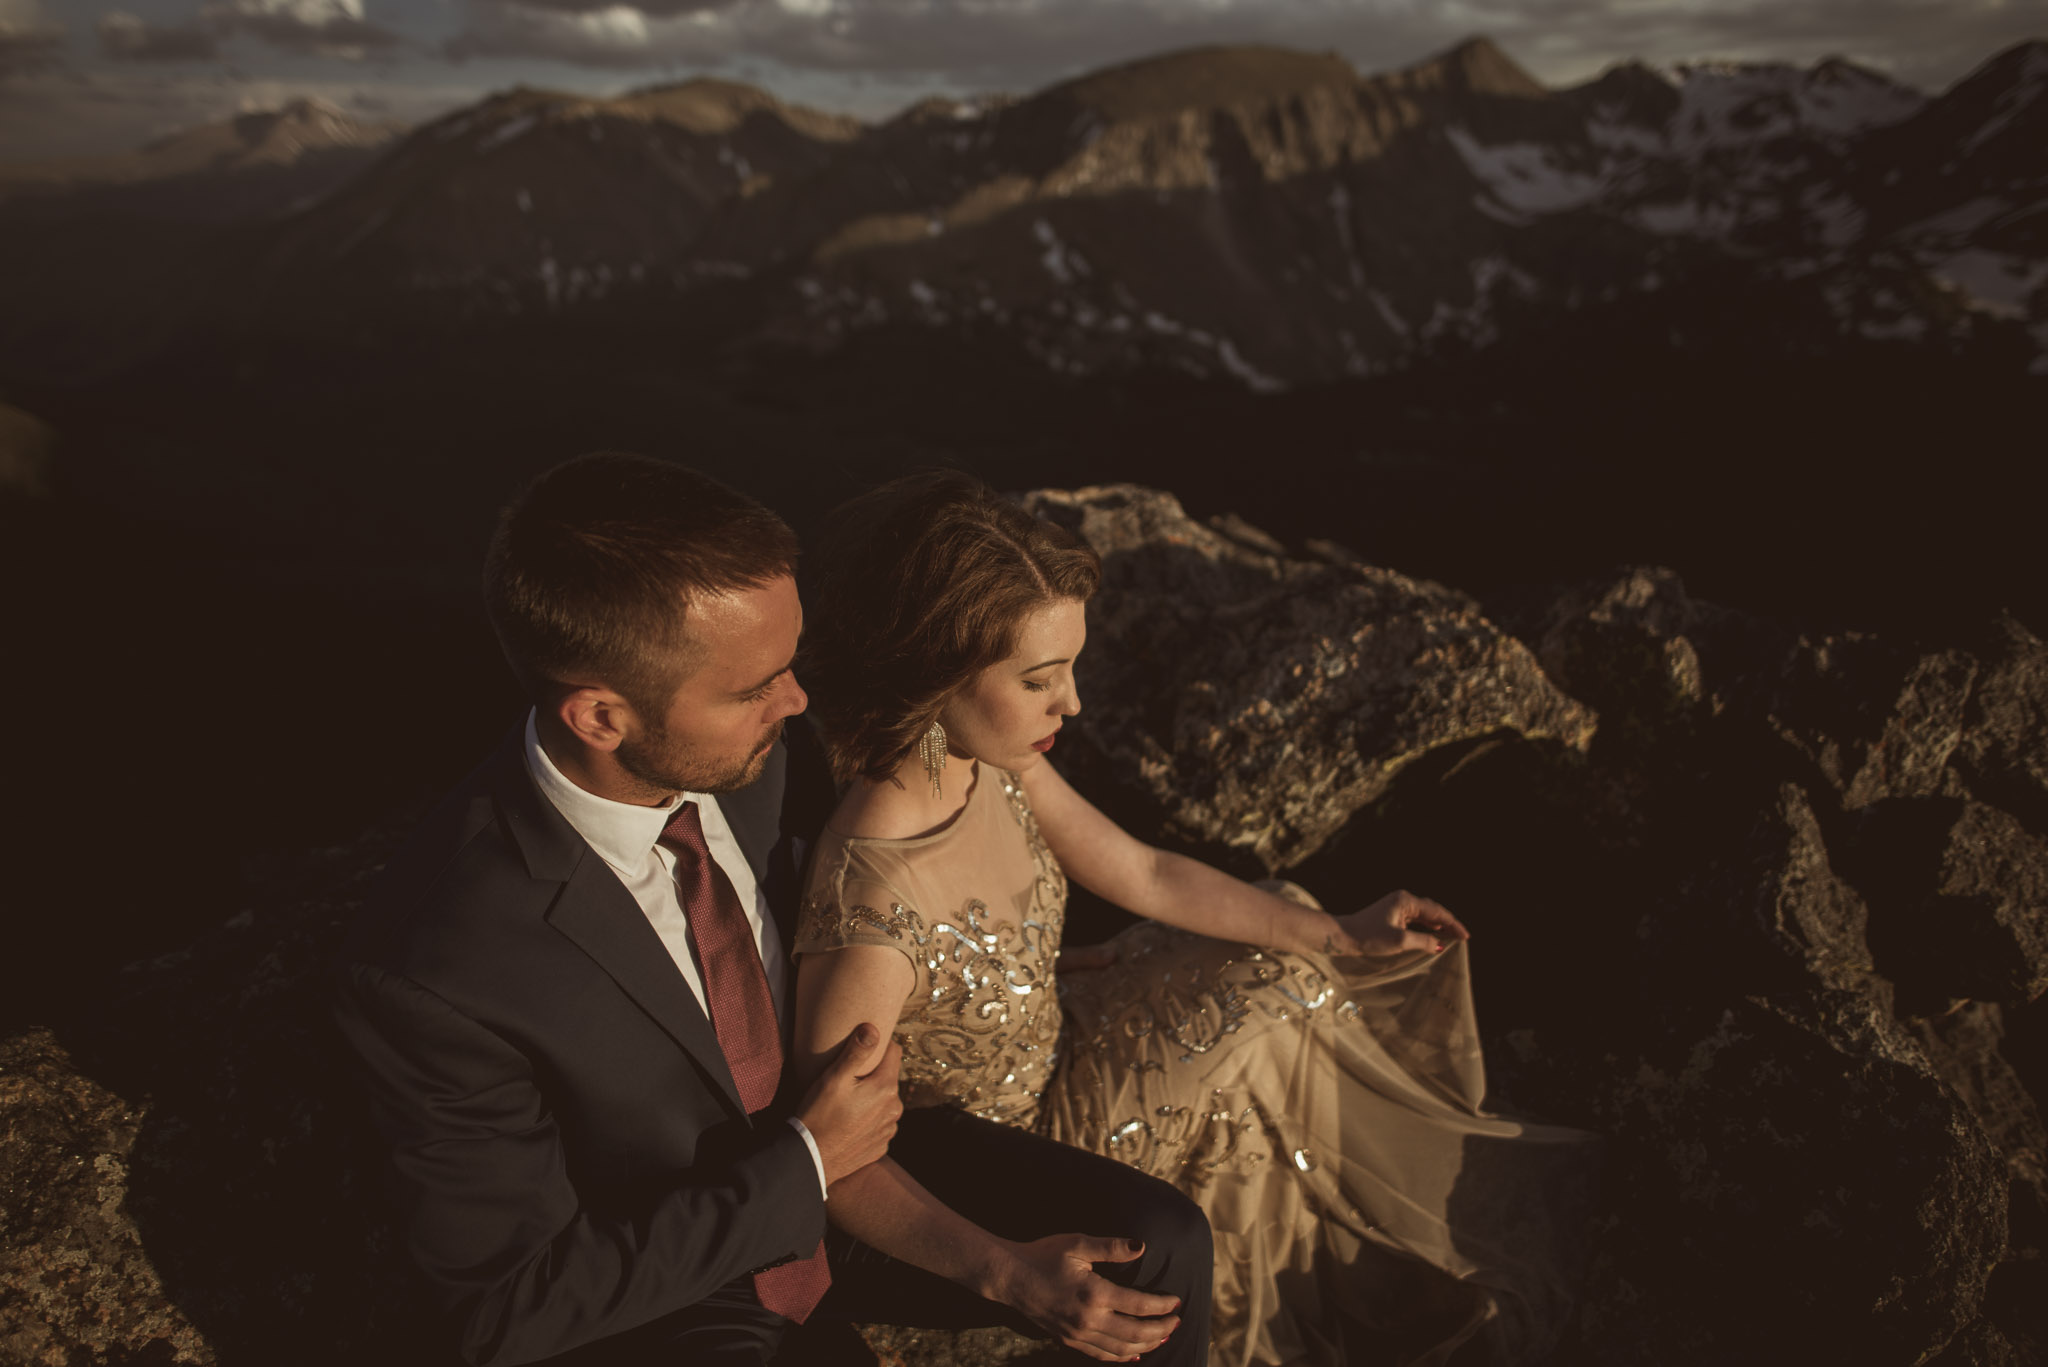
(1396, 923)
(1054, 1284)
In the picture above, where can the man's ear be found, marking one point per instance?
(597, 717)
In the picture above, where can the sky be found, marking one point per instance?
(80, 77)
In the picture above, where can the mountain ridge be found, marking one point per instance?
(1254, 214)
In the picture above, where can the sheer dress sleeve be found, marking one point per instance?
(849, 901)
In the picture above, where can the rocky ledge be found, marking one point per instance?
(1769, 910)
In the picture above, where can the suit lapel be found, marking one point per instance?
(594, 910)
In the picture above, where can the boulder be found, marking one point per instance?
(1792, 1184)
(1622, 642)
(2003, 749)
(1875, 720)
(1960, 896)
(1794, 907)
(195, 1160)
(1862, 717)
(1255, 703)
(1965, 1048)
(76, 1280)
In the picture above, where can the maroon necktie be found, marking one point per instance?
(743, 1018)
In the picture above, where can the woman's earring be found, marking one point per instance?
(931, 748)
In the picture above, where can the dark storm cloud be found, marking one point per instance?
(328, 28)
(27, 44)
(1022, 43)
(977, 42)
(126, 38)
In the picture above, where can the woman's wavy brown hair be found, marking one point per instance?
(915, 588)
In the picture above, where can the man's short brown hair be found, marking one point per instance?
(593, 567)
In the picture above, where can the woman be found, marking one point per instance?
(1312, 1080)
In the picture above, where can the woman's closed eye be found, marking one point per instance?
(1035, 686)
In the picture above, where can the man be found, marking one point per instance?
(571, 1000)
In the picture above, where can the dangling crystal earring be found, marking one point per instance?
(931, 749)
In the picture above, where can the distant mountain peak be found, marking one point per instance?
(307, 119)
(1483, 68)
(2021, 71)
(711, 107)
(948, 109)
(702, 104)
(1476, 66)
(1202, 78)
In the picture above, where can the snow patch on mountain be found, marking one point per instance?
(1840, 101)
(1998, 283)
(1959, 223)
(1689, 218)
(1396, 324)
(1340, 214)
(1611, 130)
(1061, 262)
(1524, 177)
(1740, 104)
(1833, 218)
(507, 131)
(2032, 80)
(1252, 377)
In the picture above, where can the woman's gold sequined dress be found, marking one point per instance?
(1325, 1113)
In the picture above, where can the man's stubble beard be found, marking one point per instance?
(648, 761)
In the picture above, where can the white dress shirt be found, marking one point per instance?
(624, 836)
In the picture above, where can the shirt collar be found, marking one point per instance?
(622, 833)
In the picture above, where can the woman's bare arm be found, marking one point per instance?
(1052, 1280)
(1104, 858)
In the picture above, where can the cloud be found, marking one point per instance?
(126, 38)
(327, 28)
(1021, 44)
(613, 35)
(26, 42)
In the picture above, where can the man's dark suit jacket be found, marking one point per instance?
(573, 1157)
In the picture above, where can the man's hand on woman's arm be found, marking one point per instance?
(841, 995)
(852, 1108)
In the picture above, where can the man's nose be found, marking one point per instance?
(794, 699)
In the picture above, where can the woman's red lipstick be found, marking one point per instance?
(1041, 746)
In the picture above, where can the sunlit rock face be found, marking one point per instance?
(1259, 702)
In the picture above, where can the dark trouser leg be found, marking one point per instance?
(1022, 1187)
(728, 1329)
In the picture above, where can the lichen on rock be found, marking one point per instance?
(1257, 702)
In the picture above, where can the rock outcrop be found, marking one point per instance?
(1765, 909)
(1257, 702)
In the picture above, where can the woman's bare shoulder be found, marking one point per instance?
(891, 811)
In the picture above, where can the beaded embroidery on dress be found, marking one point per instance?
(1324, 1113)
